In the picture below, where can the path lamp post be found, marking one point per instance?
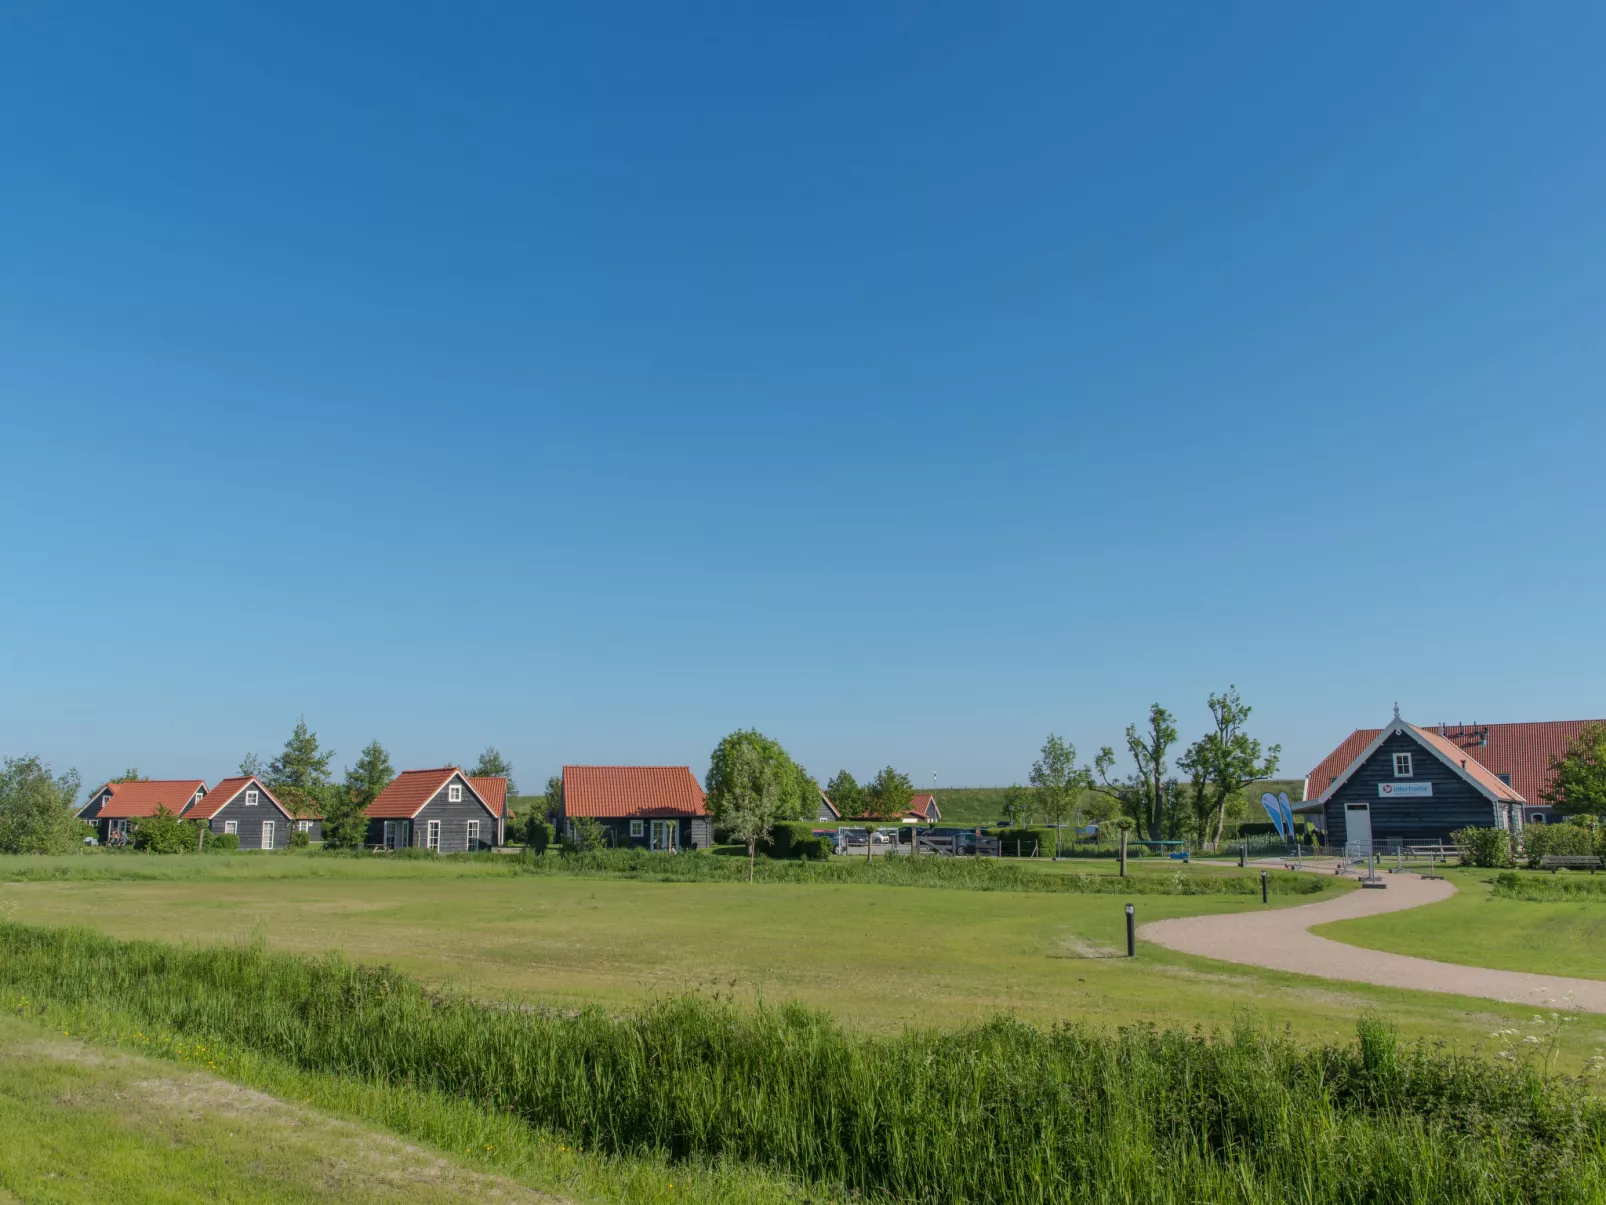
(1131, 932)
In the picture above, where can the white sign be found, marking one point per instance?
(1394, 790)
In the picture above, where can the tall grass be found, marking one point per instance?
(967, 874)
(1549, 888)
(999, 1112)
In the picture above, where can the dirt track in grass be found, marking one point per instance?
(1280, 939)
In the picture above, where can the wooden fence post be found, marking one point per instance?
(1123, 853)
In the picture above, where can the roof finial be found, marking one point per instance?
(1396, 709)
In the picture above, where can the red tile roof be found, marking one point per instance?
(220, 796)
(410, 790)
(610, 791)
(130, 799)
(924, 806)
(1523, 751)
(493, 791)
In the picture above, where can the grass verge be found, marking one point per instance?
(999, 1112)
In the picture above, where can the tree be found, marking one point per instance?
(1018, 805)
(797, 795)
(345, 816)
(493, 765)
(1148, 750)
(36, 808)
(131, 774)
(554, 795)
(251, 766)
(1059, 783)
(845, 794)
(299, 776)
(1578, 776)
(887, 795)
(751, 798)
(165, 833)
(1222, 763)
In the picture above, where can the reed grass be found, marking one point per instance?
(1549, 888)
(999, 1112)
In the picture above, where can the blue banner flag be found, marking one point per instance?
(1269, 802)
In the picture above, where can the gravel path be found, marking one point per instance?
(1279, 938)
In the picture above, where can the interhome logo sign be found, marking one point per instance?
(1396, 790)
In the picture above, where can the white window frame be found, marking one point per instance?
(638, 828)
(231, 827)
(252, 798)
(303, 826)
(432, 836)
(1406, 760)
(270, 835)
(454, 793)
(472, 839)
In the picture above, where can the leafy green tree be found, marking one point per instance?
(1578, 776)
(1059, 782)
(751, 799)
(165, 833)
(299, 776)
(845, 794)
(37, 808)
(345, 817)
(1222, 763)
(1144, 794)
(887, 795)
(493, 765)
(554, 795)
(131, 774)
(251, 766)
(797, 795)
(1018, 801)
(585, 832)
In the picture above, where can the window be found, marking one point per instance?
(635, 828)
(1402, 765)
(250, 799)
(232, 827)
(473, 834)
(303, 826)
(454, 793)
(432, 836)
(268, 835)
(1505, 778)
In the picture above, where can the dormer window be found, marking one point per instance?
(1402, 765)
(454, 793)
(250, 799)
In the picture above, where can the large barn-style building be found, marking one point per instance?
(1405, 783)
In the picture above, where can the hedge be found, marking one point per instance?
(1019, 842)
(796, 839)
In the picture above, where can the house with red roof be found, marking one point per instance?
(1409, 785)
(652, 807)
(923, 807)
(246, 809)
(114, 806)
(443, 810)
(1519, 755)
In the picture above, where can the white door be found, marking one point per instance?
(1358, 829)
(664, 833)
(267, 834)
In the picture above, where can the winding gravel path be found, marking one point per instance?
(1280, 938)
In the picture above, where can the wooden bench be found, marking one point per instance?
(1555, 862)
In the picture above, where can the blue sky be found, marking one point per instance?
(907, 381)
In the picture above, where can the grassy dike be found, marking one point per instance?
(997, 1112)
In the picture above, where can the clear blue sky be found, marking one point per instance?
(904, 380)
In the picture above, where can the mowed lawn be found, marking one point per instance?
(1473, 928)
(877, 957)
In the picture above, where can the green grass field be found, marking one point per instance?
(877, 957)
(1560, 937)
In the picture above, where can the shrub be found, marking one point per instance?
(1490, 847)
(1539, 840)
(299, 839)
(795, 839)
(222, 842)
(585, 833)
(36, 809)
(165, 833)
(537, 834)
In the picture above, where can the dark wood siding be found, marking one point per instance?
(249, 818)
(454, 818)
(1455, 803)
